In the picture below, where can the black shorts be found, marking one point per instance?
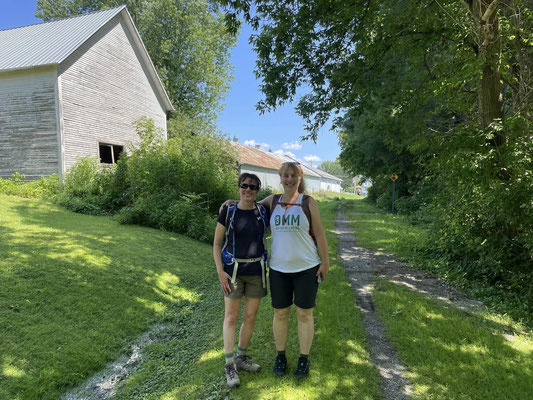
(298, 286)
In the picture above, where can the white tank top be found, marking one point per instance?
(293, 249)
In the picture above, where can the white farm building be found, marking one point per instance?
(266, 165)
(71, 88)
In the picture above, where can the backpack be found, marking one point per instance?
(305, 207)
(229, 257)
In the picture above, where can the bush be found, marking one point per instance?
(263, 193)
(81, 180)
(46, 187)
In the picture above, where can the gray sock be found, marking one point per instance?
(241, 352)
(229, 358)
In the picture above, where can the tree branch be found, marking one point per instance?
(490, 10)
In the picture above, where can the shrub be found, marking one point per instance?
(46, 187)
(81, 180)
(263, 193)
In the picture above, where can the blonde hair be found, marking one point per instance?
(295, 167)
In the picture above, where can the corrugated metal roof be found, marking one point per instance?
(49, 42)
(259, 158)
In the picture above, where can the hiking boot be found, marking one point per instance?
(302, 369)
(280, 366)
(232, 377)
(245, 363)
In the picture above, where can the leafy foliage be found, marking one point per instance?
(335, 168)
(46, 187)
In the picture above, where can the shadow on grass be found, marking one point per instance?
(74, 289)
(451, 355)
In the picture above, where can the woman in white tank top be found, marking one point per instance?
(299, 261)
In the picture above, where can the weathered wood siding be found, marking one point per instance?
(28, 126)
(103, 88)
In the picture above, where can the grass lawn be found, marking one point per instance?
(76, 289)
(378, 230)
(452, 355)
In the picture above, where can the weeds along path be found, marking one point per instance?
(361, 266)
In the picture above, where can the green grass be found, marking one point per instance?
(394, 234)
(452, 355)
(382, 231)
(76, 289)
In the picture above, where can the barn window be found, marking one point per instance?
(110, 153)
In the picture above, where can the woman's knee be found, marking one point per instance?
(304, 314)
(249, 317)
(231, 317)
(282, 313)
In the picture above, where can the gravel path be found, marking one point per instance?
(363, 266)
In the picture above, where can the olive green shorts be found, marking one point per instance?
(249, 286)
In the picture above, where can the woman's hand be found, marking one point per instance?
(226, 204)
(323, 271)
(225, 280)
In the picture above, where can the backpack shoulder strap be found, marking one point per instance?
(275, 201)
(307, 212)
(305, 207)
(262, 211)
(231, 210)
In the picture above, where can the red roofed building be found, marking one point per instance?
(266, 164)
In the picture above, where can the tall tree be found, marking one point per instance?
(335, 50)
(189, 46)
(335, 168)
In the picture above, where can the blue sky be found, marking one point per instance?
(279, 131)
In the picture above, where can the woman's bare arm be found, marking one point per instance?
(320, 236)
(223, 277)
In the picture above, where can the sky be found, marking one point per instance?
(279, 131)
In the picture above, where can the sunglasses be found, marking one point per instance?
(246, 186)
(291, 162)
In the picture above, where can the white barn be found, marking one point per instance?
(266, 165)
(71, 88)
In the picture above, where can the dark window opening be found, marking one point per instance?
(110, 153)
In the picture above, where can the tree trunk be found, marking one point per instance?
(487, 29)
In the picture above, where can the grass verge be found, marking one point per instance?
(75, 289)
(382, 231)
(453, 355)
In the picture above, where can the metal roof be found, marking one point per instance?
(259, 158)
(50, 43)
(256, 157)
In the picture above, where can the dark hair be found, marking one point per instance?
(246, 175)
(295, 168)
